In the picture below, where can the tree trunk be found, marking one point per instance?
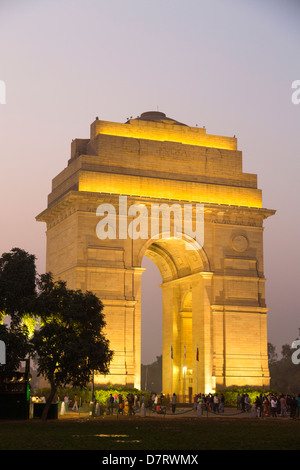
(48, 402)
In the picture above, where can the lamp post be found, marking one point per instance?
(184, 371)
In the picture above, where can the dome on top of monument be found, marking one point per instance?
(157, 116)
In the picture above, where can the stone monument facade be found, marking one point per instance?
(104, 214)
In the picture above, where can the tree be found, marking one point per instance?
(151, 375)
(18, 348)
(272, 354)
(70, 344)
(17, 293)
(285, 375)
(17, 284)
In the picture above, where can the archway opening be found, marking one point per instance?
(151, 327)
(181, 269)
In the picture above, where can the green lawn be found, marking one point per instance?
(151, 433)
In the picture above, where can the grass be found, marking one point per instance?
(151, 433)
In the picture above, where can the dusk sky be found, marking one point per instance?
(227, 65)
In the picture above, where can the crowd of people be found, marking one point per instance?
(273, 405)
(129, 405)
(135, 403)
(210, 402)
(264, 404)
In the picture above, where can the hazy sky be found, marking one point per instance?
(224, 64)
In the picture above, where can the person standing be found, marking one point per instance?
(247, 402)
(126, 406)
(75, 406)
(66, 401)
(200, 406)
(111, 404)
(222, 403)
(143, 407)
(121, 404)
(266, 406)
(195, 402)
(274, 406)
(258, 404)
(298, 410)
(283, 406)
(243, 402)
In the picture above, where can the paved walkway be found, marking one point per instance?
(181, 412)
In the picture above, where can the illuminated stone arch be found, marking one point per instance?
(210, 293)
(179, 251)
(183, 272)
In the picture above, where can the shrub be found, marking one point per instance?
(231, 393)
(102, 394)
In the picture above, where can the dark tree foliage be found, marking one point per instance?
(69, 344)
(285, 374)
(17, 294)
(17, 349)
(17, 284)
(151, 376)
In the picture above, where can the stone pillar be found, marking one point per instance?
(171, 340)
(137, 333)
(202, 333)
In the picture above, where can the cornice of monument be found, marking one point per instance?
(84, 201)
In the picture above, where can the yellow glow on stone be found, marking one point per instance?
(163, 132)
(169, 189)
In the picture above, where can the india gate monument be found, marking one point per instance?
(155, 187)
